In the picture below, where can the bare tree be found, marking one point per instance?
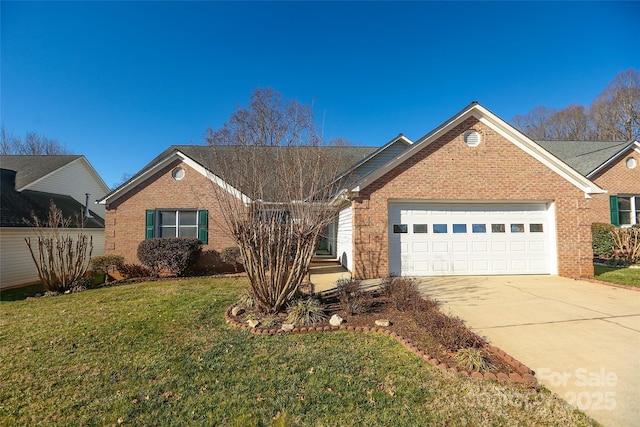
(31, 144)
(272, 171)
(615, 113)
(535, 124)
(61, 260)
(569, 124)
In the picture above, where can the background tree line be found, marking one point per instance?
(31, 144)
(614, 115)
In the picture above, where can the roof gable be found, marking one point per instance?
(17, 208)
(204, 159)
(504, 129)
(586, 156)
(33, 168)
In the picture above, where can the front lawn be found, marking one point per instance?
(160, 353)
(620, 276)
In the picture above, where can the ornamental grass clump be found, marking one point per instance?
(305, 312)
(472, 360)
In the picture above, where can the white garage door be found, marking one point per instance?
(469, 239)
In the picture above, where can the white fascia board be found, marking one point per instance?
(91, 169)
(634, 146)
(176, 155)
(213, 177)
(400, 138)
(537, 152)
(506, 130)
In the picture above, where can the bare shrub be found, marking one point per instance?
(61, 260)
(402, 293)
(450, 331)
(231, 255)
(626, 243)
(352, 299)
(107, 263)
(274, 179)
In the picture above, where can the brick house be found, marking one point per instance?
(473, 196)
(612, 165)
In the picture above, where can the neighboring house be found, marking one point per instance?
(29, 185)
(614, 166)
(473, 196)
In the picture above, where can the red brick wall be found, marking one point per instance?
(449, 170)
(616, 179)
(125, 218)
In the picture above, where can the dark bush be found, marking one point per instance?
(601, 239)
(450, 331)
(402, 293)
(353, 300)
(132, 271)
(172, 255)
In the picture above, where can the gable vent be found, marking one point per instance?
(472, 138)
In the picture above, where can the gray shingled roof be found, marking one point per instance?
(32, 168)
(210, 158)
(583, 156)
(17, 207)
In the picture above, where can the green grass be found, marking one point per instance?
(620, 276)
(160, 353)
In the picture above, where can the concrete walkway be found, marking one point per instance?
(582, 339)
(325, 273)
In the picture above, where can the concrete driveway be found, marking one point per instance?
(582, 339)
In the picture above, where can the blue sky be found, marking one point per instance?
(121, 81)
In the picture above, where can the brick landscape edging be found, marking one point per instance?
(523, 374)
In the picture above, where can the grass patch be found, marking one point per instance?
(620, 276)
(160, 353)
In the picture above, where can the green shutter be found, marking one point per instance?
(613, 207)
(150, 225)
(203, 226)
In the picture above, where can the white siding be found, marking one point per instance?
(382, 158)
(74, 179)
(344, 243)
(17, 267)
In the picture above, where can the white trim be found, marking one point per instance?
(400, 138)
(634, 144)
(506, 130)
(174, 155)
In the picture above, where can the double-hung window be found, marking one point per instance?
(177, 223)
(625, 209)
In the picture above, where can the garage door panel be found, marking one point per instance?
(498, 246)
(518, 246)
(442, 247)
(459, 247)
(537, 247)
(445, 239)
(479, 246)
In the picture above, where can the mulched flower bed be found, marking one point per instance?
(409, 327)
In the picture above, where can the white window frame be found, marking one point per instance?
(634, 206)
(177, 226)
